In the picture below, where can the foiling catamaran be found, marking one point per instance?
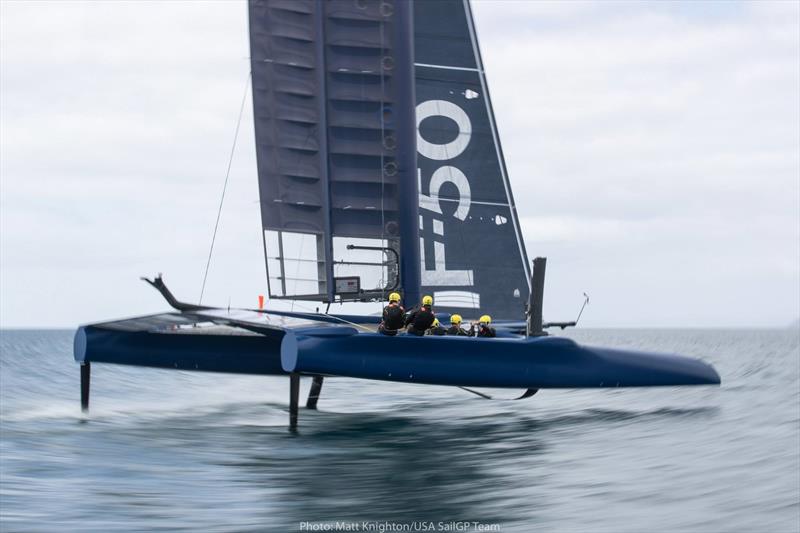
(380, 170)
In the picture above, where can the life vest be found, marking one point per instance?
(421, 319)
(393, 316)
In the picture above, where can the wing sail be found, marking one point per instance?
(333, 107)
(472, 253)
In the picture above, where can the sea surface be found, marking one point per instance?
(173, 450)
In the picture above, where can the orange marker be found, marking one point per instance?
(261, 301)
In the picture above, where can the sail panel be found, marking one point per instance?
(330, 80)
(471, 249)
(441, 34)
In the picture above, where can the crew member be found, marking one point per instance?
(484, 328)
(436, 328)
(393, 315)
(420, 319)
(455, 326)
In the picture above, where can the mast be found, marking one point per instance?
(407, 161)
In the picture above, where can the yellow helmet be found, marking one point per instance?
(455, 319)
(485, 319)
(394, 297)
(435, 323)
(427, 300)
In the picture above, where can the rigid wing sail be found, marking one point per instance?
(361, 110)
(379, 170)
(473, 255)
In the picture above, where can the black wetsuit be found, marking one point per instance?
(456, 330)
(483, 331)
(437, 330)
(393, 315)
(419, 320)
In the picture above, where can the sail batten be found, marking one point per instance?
(446, 67)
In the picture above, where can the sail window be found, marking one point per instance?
(295, 263)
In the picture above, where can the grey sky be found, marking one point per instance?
(653, 149)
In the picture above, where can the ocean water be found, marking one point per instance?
(171, 450)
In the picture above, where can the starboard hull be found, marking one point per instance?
(535, 362)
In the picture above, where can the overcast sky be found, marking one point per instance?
(653, 149)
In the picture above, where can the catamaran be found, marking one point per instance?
(380, 170)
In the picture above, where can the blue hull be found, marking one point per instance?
(510, 362)
(242, 354)
(536, 362)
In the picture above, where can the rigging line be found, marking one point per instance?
(225, 186)
(340, 319)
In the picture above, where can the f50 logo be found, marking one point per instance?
(430, 203)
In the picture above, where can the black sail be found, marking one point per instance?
(333, 107)
(472, 252)
(374, 128)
